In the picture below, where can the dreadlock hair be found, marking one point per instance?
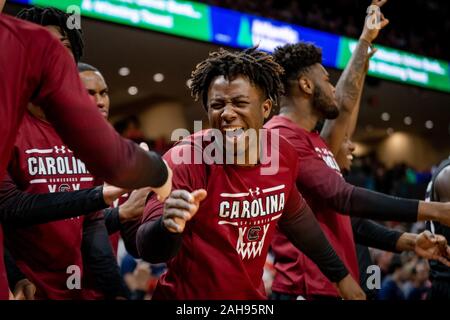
(82, 67)
(55, 17)
(259, 67)
(296, 59)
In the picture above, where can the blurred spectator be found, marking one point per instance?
(420, 285)
(140, 277)
(391, 286)
(130, 128)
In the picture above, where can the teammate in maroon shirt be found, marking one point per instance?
(309, 98)
(36, 67)
(120, 219)
(215, 230)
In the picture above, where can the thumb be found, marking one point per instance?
(199, 195)
(429, 236)
(372, 52)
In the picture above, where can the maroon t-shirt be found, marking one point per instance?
(41, 163)
(321, 183)
(225, 245)
(36, 67)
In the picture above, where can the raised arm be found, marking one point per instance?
(350, 84)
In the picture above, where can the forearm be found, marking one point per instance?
(406, 242)
(377, 206)
(355, 113)
(433, 211)
(350, 84)
(12, 271)
(99, 258)
(22, 209)
(155, 243)
(305, 233)
(374, 235)
(112, 219)
(128, 232)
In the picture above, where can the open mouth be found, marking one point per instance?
(233, 132)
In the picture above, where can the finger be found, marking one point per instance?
(379, 3)
(179, 204)
(373, 50)
(177, 213)
(384, 23)
(30, 292)
(144, 146)
(428, 235)
(172, 226)
(145, 190)
(441, 240)
(182, 194)
(443, 261)
(199, 195)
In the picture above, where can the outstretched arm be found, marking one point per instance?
(350, 85)
(303, 230)
(20, 208)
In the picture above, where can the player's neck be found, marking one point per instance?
(37, 112)
(300, 112)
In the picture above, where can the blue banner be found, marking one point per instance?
(235, 29)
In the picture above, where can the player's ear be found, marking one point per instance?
(305, 85)
(267, 108)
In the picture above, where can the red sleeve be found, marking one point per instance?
(188, 177)
(67, 106)
(315, 178)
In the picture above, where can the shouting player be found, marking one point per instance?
(214, 231)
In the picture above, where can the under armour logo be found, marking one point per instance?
(254, 192)
(60, 150)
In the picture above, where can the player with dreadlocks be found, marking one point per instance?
(55, 21)
(215, 229)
